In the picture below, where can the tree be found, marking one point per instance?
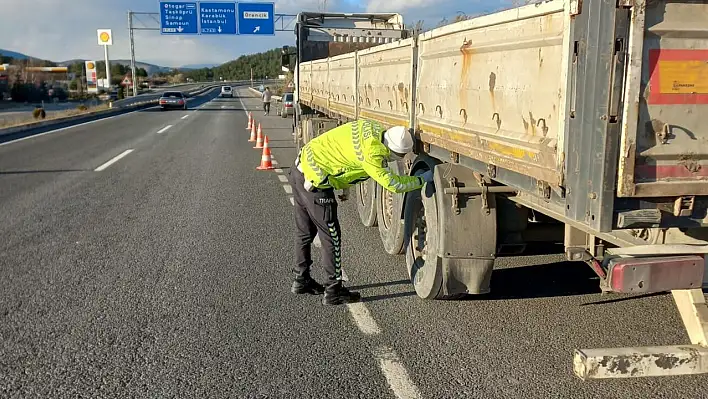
(141, 72)
(419, 26)
(262, 64)
(77, 68)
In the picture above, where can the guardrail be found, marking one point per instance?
(253, 89)
(137, 103)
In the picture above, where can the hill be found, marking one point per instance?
(150, 68)
(262, 64)
(196, 66)
(14, 54)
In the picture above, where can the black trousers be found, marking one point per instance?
(316, 212)
(266, 107)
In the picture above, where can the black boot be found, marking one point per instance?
(306, 285)
(337, 294)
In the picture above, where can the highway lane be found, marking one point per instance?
(31, 166)
(163, 275)
(516, 342)
(168, 273)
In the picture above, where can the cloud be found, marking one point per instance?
(62, 30)
(434, 11)
(398, 5)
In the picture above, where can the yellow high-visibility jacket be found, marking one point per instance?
(349, 154)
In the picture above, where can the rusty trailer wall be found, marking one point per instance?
(494, 88)
(587, 107)
(385, 82)
(319, 80)
(342, 85)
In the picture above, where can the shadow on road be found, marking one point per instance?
(21, 172)
(376, 285)
(624, 298)
(374, 298)
(157, 109)
(219, 109)
(542, 281)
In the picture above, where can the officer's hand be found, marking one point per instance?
(428, 176)
(344, 195)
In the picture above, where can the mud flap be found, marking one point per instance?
(468, 233)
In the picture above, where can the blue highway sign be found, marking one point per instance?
(256, 18)
(178, 18)
(217, 18)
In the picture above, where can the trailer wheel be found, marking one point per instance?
(421, 238)
(365, 202)
(388, 209)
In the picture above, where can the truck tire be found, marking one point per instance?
(388, 209)
(365, 197)
(421, 243)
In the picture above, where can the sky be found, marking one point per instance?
(62, 30)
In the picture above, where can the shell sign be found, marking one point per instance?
(105, 37)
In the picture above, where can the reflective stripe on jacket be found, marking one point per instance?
(349, 154)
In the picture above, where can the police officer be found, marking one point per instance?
(335, 160)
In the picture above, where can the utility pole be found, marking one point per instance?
(108, 70)
(132, 54)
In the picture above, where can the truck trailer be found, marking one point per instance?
(576, 121)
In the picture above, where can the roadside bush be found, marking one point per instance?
(39, 113)
(82, 108)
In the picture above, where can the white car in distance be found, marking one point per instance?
(226, 91)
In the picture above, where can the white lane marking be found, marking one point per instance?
(292, 200)
(344, 276)
(278, 170)
(71, 127)
(185, 117)
(288, 188)
(396, 374)
(274, 161)
(245, 111)
(114, 160)
(223, 107)
(164, 129)
(363, 318)
(283, 179)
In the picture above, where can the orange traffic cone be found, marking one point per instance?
(253, 133)
(259, 139)
(266, 158)
(250, 122)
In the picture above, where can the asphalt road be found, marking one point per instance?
(166, 273)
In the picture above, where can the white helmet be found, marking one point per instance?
(398, 140)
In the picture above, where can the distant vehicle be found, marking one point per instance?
(173, 99)
(226, 91)
(285, 105)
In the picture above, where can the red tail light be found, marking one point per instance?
(655, 274)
